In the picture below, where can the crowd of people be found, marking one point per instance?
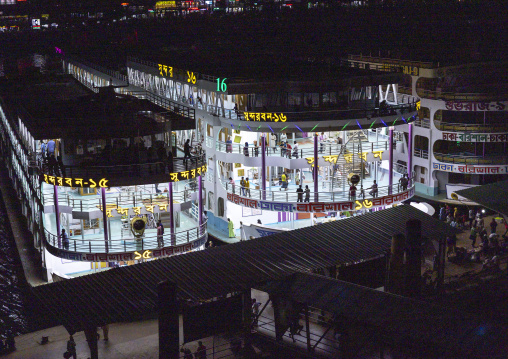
(491, 244)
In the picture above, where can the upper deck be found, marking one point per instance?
(336, 94)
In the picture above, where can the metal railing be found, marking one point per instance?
(115, 74)
(338, 196)
(421, 153)
(470, 127)
(317, 115)
(120, 199)
(120, 245)
(471, 160)
(424, 122)
(441, 95)
(387, 60)
(325, 148)
(142, 170)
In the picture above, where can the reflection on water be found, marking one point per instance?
(12, 288)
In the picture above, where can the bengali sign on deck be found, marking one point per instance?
(319, 207)
(470, 169)
(475, 137)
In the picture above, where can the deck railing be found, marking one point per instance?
(120, 245)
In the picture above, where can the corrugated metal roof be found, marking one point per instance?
(122, 293)
(492, 196)
(418, 325)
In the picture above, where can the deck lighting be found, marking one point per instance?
(403, 119)
(249, 127)
(271, 128)
(314, 128)
(284, 128)
(258, 127)
(299, 128)
(372, 124)
(358, 123)
(384, 123)
(394, 121)
(232, 125)
(345, 126)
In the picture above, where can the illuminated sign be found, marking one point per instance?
(221, 85)
(476, 106)
(406, 70)
(145, 255)
(475, 137)
(165, 70)
(73, 182)
(165, 4)
(136, 210)
(319, 207)
(191, 77)
(262, 116)
(36, 23)
(185, 175)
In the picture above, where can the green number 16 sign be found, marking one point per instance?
(221, 85)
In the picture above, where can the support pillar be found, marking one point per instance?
(57, 214)
(316, 168)
(169, 321)
(200, 202)
(413, 257)
(91, 338)
(105, 219)
(263, 167)
(390, 160)
(171, 215)
(410, 153)
(307, 328)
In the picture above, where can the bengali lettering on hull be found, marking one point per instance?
(470, 169)
(476, 106)
(318, 207)
(126, 256)
(475, 137)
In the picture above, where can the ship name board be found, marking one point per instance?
(475, 137)
(475, 106)
(264, 116)
(468, 169)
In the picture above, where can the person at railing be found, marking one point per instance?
(242, 187)
(322, 139)
(295, 149)
(53, 165)
(187, 151)
(246, 149)
(283, 137)
(247, 187)
(374, 189)
(284, 181)
(404, 182)
(297, 177)
(299, 192)
(169, 161)
(288, 150)
(256, 150)
(231, 229)
(229, 145)
(274, 140)
(160, 234)
(43, 150)
(65, 239)
(161, 155)
(51, 147)
(352, 192)
(232, 183)
(307, 194)
(283, 149)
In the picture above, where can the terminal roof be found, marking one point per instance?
(131, 291)
(492, 196)
(61, 107)
(416, 325)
